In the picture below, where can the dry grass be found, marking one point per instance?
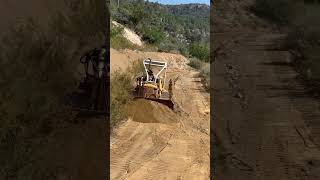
(204, 69)
(122, 84)
(303, 40)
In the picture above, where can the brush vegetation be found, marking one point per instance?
(166, 28)
(302, 20)
(121, 91)
(204, 71)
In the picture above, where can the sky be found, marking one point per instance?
(181, 1)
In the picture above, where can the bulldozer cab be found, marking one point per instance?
(152, 85)
(155, 71)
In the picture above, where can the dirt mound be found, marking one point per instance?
(146, 111)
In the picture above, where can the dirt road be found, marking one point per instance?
(266, 124)
(157, 142)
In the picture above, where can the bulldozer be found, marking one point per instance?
(91, 97)
(151, 85)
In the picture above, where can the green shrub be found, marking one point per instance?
(120, 42)
(119, 96)
(115, 31)
(184, 51)
(121, 91)
(205, 75)
(153, 36)
(167, 27)
(200, 51)
(138, 13)
(195, 63)
(204, 69)
(167, 47)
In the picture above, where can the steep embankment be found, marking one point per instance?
(157, 142)
(130, 35)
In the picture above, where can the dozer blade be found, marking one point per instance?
(166, 102)
(164, 99)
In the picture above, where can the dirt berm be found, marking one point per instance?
(157, 142)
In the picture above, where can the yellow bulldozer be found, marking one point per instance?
(151, 85)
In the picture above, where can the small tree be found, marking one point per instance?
(200, 51)
(138, 13)
(153, 36)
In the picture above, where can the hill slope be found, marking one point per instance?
(169, 27)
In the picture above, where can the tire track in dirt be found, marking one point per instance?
(275, 136)
(164, 144)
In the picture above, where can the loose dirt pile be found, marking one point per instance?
(146, 111)
(157, 142)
